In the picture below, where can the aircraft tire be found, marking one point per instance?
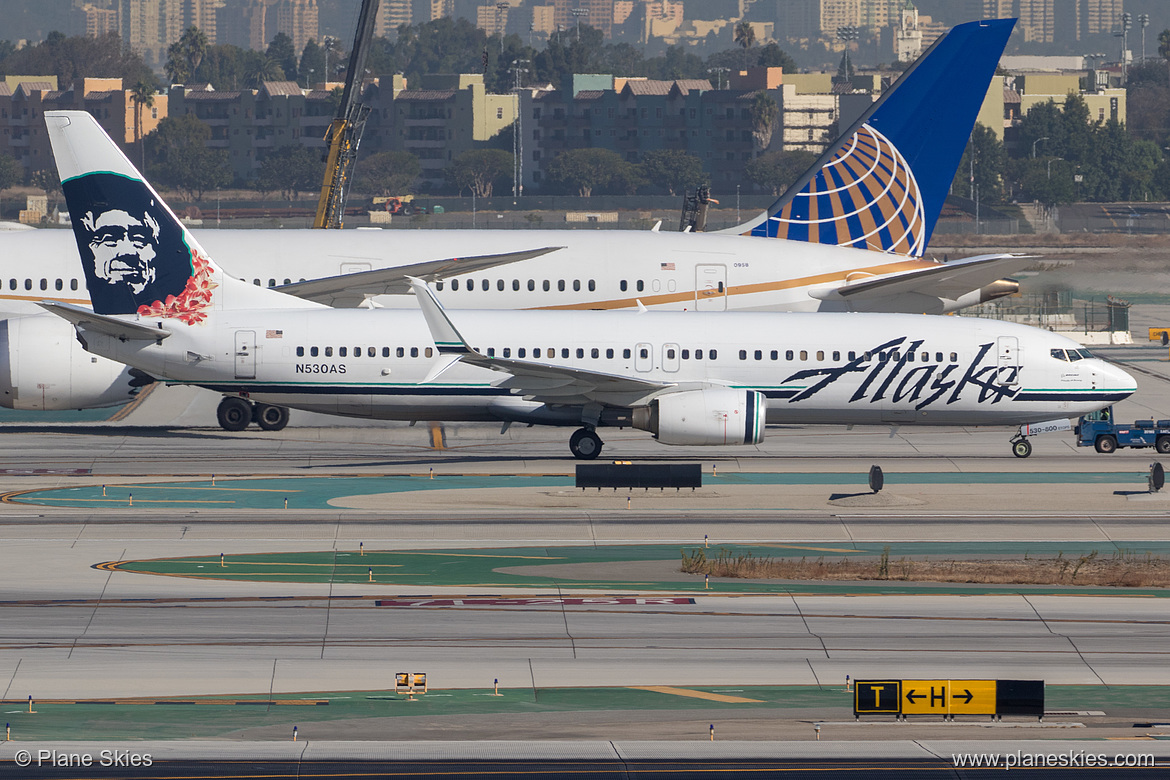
(1106, 444)
(1022, 448)
(585, 444)
(271, 418)
(234, 414)
(1162, 444)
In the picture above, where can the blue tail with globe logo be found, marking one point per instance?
(882, 184)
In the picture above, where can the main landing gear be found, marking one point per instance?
(585, 444)
(235, 414)
(1021, 447)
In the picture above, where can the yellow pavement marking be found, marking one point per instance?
(476, 555)
(142, 500)
(235, 562)
(438, 439)
(814, 549)
(217, 487)
(696, 694)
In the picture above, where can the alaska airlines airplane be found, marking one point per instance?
(849, 236)
(696, 379)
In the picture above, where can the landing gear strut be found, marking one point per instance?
(1021, 447)
(585, 444)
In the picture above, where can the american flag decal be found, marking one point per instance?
(274, 334)
(668, 266)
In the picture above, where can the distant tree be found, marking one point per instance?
(260, 67)
(776, 171)
(745, 36)
(585, 170)
(185, 55)
(312, 67)
(281, 51)
(984, 156)
(73, 58)
(291, 170)
(141, 95)
(765, 119)
(178, 157)
(11, 173)
(671, 169)
(772, 56)
(386, 173)
(479, 170)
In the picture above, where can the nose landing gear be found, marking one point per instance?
(1021, 447)
(585, 444)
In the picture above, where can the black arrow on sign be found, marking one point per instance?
(910, 697)
(966, 699)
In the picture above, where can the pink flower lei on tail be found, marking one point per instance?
(190, 305)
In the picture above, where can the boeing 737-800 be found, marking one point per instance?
(700, 378)
(848, 237)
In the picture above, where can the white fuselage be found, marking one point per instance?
(822, 368)
(592, 269)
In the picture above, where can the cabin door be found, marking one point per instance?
(245, 354)
(1007, 361)
(710, 287)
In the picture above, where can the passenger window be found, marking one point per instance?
(596, 353)
(341, 351)
(836, 355)
(271, 282)
(820, 354)
(44, 284)
(712, 354)
(516, 285)
(470, 285)
(743, 354)
(626, 354)
(60, 285)
(521, 352)
(531, 285)
(400, 352)
(565, 353)
(546, 286)
(580, 352)
(698, 354)
(895, 355)
(288, 281)
(909, 357)
(925, 357)
(372, 352)
(852, 355)
(328, 351)
(485, 285)
(507, 352)
(954, 357)
(313, 351)
(623, 285)
(386, 352)
(759, 355)
(439, 286)
(938, 357)
(643, 353)
(609, 354)
(789, 355)
(11, 284)
(500, 285)
(256, 282)
(414, 351)
(576, 285)
(300, 351)
(561, 285)
(429, 351)
(28, 284)
(775, 355)
(592, 285)
(641, 285)
(454, 284)
(357, 351)
(491, 352)
(804, 354)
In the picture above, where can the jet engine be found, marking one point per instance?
(719, 416)
(44, 368)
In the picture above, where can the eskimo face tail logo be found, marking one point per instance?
(865, 197)
(133, 252)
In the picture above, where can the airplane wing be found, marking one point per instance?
(538, 381)
(101, 323)
(945, 280)
(349, 290)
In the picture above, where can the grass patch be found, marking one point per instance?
(1122, 569)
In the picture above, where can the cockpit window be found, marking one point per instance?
(1084, 353)
(1059, 354)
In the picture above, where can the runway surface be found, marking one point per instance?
(70, 631)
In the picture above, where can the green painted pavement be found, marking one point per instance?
(316, 492)
(477, 567)
(194, 721)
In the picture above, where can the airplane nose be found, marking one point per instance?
(1116, 379)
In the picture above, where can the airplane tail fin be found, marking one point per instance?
(882, 184)
(137, 256)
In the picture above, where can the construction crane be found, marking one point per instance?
(345, 131)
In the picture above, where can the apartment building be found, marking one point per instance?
(23, 105)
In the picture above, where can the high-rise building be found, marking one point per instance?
(148, 27)
(298, 19)
(440, 8)
(243, 23)
(1099, 17)
(97, 21)
(595, 13)
(202, 14)
(391, 15)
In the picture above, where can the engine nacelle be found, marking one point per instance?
(717, 417)
(44, 368)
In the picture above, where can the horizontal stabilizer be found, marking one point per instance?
(101, 323)
(349, 290)
(945, 280)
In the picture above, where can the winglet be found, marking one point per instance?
(447, 338)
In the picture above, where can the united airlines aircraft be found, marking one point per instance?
(169, 311)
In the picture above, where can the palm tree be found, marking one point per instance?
(141, 94)
(745, 36)
(765, 116)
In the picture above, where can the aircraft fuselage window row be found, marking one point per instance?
(820, 355)
(273, 282)
(58, 284)
(486, 285)
(358, 352)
